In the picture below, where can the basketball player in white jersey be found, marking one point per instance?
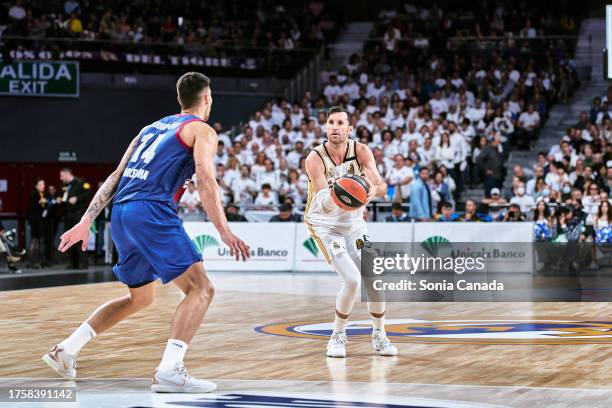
(340, 234)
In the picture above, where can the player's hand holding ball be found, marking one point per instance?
(351, 192)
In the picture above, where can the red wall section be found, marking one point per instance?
(21, 176)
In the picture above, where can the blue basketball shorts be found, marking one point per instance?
(151, 243)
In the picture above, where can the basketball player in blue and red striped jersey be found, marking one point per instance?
(149, 236)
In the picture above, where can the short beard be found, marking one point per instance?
(336, 143)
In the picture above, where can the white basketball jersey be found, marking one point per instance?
(314, 214)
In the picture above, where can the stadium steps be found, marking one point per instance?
(588, 56)
(349, 42)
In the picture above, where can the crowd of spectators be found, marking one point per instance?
(435, 129)
(571, 183)
(215, 23)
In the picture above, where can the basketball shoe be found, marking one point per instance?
(61, 362)
(382, 344)
(336, 347)
(179, 380)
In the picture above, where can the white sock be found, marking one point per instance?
(378, 323)
(339, 324)
(377, 312)
(174, 354)
(73, 344)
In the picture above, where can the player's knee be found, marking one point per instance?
(209, 289)
(352, 283)
(204, 290)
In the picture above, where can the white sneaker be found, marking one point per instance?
(61, 362)
(336, 347)
(382, 344)
(179, 380)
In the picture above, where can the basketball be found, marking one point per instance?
(350, 192)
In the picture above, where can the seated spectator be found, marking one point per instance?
(543, 227)
(556, 176)
(528, 126)
(602, 223)
(397, 214)
(525, 202)
(513, 214)
(295, 188)
(531, 183)
(332, 90)
(286, 214)
(269, 175)
(569, 227)
(446, 153)
(10, 258)
(440, 191)
(294, 156)
(566, 191)
(220, 156)
(225, 191)
(470, 214)
(190, 204)
(244, 188)
(266, 199)
(446, 213)
(400, 176)
(590, 203)
(496, 203)
(232, 215)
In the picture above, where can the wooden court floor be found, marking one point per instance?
(227, 346)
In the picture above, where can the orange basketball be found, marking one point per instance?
(350, 192)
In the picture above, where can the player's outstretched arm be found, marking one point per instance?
(204, 148)
(378, 187)
(103, 196)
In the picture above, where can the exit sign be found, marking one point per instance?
(40, 78)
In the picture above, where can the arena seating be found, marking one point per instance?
(275, 38)
(487, 88)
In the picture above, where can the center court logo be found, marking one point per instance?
(459, 331)
(250, 400)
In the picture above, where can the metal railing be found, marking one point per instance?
(523, 45)
(104, 55)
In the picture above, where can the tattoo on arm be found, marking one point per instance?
(107, 191)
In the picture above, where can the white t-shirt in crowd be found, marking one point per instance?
(391, 40)
(526, 202)
(528, 120)
(271, 200)
(190, 197)
(242, 188)
(332, 91)
(352, 90)
(396, 175)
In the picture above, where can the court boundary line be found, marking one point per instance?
(58, 379)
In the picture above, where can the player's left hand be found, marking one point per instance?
(79, 232)
(72, 200)
(238, 248)
(371, 192)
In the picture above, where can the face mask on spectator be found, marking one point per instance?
(520, 191)
(567, 190)
(545, 192)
